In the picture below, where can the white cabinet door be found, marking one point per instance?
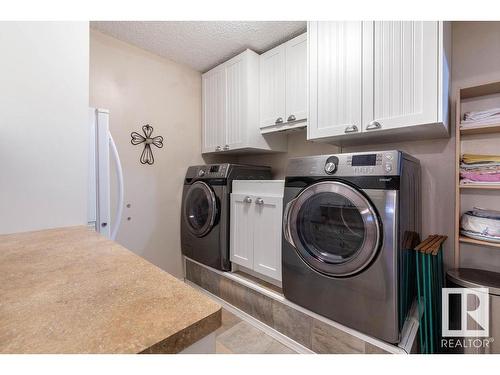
(296, 78)
(214, 110)
(236, 107)
(272, 87)
(242, 228)
(405, 74)
(267, 236)
(335, 78)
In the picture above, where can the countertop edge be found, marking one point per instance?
(188, 336)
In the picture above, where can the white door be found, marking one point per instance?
(272, 87)
(236, 91)
(405, 74)
(335, 78)
(296, 78)
(214, 110)
(241, 232)
(267, 236)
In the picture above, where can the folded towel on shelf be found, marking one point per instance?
(481, 237)
(470, 177)
(480, 168)
(478, 158)
(472, 120)
(482, 115)
(464, 125)
(466, 181)
(481, 222)
(482, 212)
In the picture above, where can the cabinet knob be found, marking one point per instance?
(218, 148)
(259, 201)
(351, 129)
(247, 200)
(374, 125)
(291, 118)
(279, 120)
(226, 147)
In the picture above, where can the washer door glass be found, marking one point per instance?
(334, 228)
(200, 209)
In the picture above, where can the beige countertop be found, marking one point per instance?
(70, 290)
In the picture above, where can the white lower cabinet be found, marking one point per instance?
(267, 235)
(242, 229)
(255, 235)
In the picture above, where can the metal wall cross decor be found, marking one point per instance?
(147, 153)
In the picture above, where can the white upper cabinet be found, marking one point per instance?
(214, 87)
(405, 74)
(283, 86)
(296, 78)
(378, 80)
(236, 92)
(335, 78)
(272, 87)
(231, 108)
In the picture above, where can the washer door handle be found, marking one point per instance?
(286, 222)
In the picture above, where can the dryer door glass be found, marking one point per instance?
(334, 228)
(200, 209)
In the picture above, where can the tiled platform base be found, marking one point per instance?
(308, 329)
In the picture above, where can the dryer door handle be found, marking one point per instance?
(286, 222)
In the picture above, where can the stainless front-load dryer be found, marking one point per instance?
(344, 221)
(205, 210)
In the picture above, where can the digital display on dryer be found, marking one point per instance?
(364, 160)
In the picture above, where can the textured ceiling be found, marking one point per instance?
(201, 44)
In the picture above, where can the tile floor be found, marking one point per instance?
(236, 336)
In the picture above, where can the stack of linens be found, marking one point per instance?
(474, 119)
(480, 169)
(481, 224)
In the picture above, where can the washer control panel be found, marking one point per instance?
(378, 163)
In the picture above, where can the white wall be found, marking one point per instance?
(43, 125)
(141, 88)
